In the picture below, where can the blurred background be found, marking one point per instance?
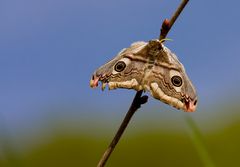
(49, 116)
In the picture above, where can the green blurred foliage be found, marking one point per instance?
(141, 149)
(151, 139)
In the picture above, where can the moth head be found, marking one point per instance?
(173, 86)
(122, 71)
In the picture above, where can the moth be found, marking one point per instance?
(152, 67)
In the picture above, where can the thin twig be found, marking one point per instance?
(139, 99)
(167, 25)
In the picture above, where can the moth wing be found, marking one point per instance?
(135, 58)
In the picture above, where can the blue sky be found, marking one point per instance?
(50, 48)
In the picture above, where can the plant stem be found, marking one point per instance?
(139, 99)
(198, 142)
(167, 25)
